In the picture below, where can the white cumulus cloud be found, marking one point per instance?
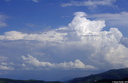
(81, 45)
(84, 26)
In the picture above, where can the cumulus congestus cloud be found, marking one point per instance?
(82, 45)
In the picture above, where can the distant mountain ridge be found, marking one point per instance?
(4, 80)
(125, 80)
(114, 74)
(105, 77)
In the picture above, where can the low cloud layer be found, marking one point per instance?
(77, 64)
(81, 45)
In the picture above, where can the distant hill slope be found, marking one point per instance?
(4, 80)
(115, 74)
(105, 77)
(125, 80)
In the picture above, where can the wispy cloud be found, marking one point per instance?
(2, 20)
(7, 0)
(24, 0)
(89, 3)
(31, 25)
(35, 0)
(113, 19)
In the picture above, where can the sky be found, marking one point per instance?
(62, 39)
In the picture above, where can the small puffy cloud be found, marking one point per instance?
(3, 67)
(77, 64)
(89, 3)
(12, 35)
(35, 62)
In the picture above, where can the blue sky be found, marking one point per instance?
(46, 13)
(66, 38)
